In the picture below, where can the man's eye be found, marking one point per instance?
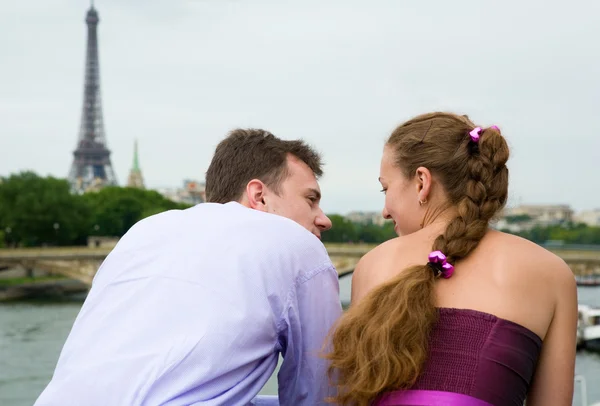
(383, 190)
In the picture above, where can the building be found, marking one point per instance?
(590, 218)
(135, 179)
(192, 192)
(526, 217)
(367, 217)
(543, 214)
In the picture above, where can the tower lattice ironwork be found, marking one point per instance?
(92, 167)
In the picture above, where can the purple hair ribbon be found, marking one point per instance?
(475, 134)
(438, 261)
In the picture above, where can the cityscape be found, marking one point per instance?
(92, 168)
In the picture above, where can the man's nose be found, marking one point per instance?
(323, 222)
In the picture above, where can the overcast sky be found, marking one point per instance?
(178, 75)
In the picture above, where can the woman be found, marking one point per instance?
(452, 312)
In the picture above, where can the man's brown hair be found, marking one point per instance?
(247, 154)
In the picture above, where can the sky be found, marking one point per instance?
(340, 74)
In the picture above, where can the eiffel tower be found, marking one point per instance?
(91, 168)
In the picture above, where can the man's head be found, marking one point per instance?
(263, 172)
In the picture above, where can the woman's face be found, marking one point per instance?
(401, 196)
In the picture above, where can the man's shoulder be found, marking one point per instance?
(288, 233)
(275, 228)
(277, 238)
(264, 236)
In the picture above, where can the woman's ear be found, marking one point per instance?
(423, 183)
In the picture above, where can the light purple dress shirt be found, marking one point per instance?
(194, 307)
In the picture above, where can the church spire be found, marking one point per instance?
(135, 175)
(136, 160)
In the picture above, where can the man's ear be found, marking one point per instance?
(255, 195)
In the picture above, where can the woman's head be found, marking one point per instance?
(430, 164)
(435, 163)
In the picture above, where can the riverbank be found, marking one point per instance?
(21, 288)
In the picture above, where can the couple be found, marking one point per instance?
(194, 307)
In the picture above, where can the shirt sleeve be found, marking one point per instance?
(265, 400)
(314, 306)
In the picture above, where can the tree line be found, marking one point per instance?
(346, 231)
(568, 233)
(41, 211)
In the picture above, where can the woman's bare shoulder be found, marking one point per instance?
(392, 251)
(380, 264)
(528, 258)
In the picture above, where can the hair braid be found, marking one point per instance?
(485, 194)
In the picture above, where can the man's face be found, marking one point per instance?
(299, 198)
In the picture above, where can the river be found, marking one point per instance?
(33, 333)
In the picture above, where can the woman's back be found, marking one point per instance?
(505, 275)
(494, 314)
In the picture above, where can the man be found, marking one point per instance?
(193, 307)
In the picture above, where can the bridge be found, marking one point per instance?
(81, 263)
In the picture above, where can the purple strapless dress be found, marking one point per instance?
(475, 359)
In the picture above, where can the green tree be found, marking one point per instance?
(519, 218)
(388, 231)
(115, 209)
(375, 234)
(41, 211)
(567, 233)
(342, 230)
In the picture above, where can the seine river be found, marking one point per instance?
(32, 335)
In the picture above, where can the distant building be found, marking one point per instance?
(526, 217)
(366, 217)
(192, 192)
(513, 226)
(544, 214)
(135, 179)
(588, 217)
